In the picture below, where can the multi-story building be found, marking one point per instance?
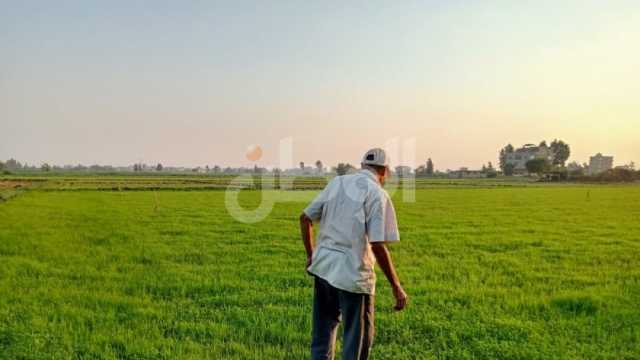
(600, 163)
(519, 158)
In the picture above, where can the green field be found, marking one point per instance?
(493, 272)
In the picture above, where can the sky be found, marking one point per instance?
(194, 83)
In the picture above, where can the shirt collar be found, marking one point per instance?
(370, 174)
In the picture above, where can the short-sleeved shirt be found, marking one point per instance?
(353, 211)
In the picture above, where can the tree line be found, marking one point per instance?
(552, 169)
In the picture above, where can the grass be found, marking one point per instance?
(493, 273)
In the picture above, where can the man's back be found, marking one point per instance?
(353, 210)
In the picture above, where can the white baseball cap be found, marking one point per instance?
(376, 157)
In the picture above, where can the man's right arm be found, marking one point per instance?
(386, 264)
(306, 229)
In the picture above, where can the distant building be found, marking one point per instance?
(465, 173)
(600, 163)
(520, 157)
(403, 171)
(307, 170)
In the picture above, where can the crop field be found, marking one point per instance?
(150, 181)
(492, 271)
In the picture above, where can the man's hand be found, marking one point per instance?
(401, 298)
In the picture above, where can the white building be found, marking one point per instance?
(520, 157)
(600, 163)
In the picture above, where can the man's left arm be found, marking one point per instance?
(382, 228)
(386, 264)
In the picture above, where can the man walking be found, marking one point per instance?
(356, 220)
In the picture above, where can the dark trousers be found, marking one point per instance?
(356, 310)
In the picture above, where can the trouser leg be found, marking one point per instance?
(358, 316)
(326, 316)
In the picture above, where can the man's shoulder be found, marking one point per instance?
(346, 179)
(379, 193)
(333, 182)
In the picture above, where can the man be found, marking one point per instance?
(356, 220)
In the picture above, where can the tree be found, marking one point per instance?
(509, 169)
(301, 165)
(617, 175)
(159, 167)
(1, 165)
(543, 143)
(319, 166)
(350, 168)
(343, 169)
(503, 156)
(489, 171)
(561, 152)
(538, 166)
(45, 167)
(429, 169)
(574, 169)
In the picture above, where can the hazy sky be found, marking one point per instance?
(195, 83)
